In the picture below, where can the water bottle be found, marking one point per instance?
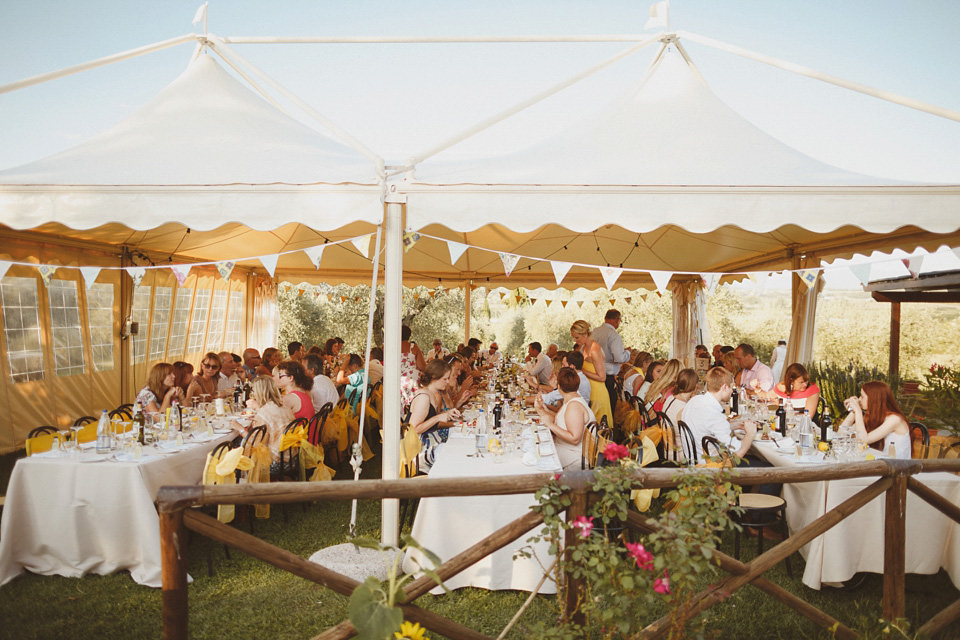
(103, 433)
(806, 431)
(176, 417)
(481, 423)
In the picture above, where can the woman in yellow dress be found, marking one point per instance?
(593, 369)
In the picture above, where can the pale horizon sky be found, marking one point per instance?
(400, 99)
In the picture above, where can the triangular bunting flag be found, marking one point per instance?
(180, 272)
(913, 265)
(610, 275)
(315, 253)
(519, 298)
(596, 303)
(533, 302)
(225, 267)
(363, 244)
(456, 250)
(343, 298)
(4, 265)
(300, 292)
(580, 303)
(759, 280)
(416, 296)
(136, 274)
(509, 262)
(46, 273)
(809, 276)
(357, 299)
(564, 303)
(89, 275)
(270, 263)
(956, 251)
(628, 300)
(861, 271)
(613, 302)
(409, 239)
(560, 270)
(433, 293)
(661, 279)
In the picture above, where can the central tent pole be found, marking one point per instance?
(393, 311)
(467, 287)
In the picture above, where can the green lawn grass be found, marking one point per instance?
(249, 599)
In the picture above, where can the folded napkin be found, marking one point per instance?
(546, 448)
(530, 459)
(786, 444)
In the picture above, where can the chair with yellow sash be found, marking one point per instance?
(83, 420)
(288, 464)
(410, 447)
(212, 476)
(40, 439)
(315, 428)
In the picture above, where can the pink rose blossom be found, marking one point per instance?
(662, 585)
(614, 451)
(643, 557)
(584, 524)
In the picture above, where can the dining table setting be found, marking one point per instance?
(75, 510)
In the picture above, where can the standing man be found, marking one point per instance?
(614, 354)
(756, 375)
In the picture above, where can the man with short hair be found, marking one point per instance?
(571, 360)
(376, 365)
(552, 350)
(705, 417)
(323, 390)
(296, 351)
(717, 355)
(538, 364)
(228, 376)
(251, 360)
(492, 356)
(439, 352)
(756, 375)
(614, 354)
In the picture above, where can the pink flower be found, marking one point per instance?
(614, 451)
(643, 557)
(584, 524)
(662, 585)
(556, 477)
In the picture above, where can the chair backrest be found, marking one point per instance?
(669, 436)
(719, 451)
(410, 446)
(947, 449)
(687, 442)
(637, 403)
(376, 386)
(121, 412)
(590, 445)
(82, 420)
(41, 442)
(39, 431)
(289, 456)
(316, 424)
(919, 432)
(254, 436)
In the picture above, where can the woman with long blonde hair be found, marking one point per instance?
(662, 386)
(266, 400)
(593, 369)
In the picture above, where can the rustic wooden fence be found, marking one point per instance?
(894, 478)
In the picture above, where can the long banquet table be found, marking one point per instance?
(448, 526)
(70, 516)
(856, 543)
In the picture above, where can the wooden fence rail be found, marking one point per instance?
(894, 478)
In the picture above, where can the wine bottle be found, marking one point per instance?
(139, 423)
(825, 424)
(735, 401)
(781, 419)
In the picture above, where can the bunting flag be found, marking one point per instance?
(180, 272)
(533, 302)
(89, 275)
(136, 274)
(758, 282)
(596, 303)
(225, 267)
(363, 244)
(315, 253)
(610, 276)
(4, 265)
(357, 299)
(580, 303)
(956, 252)
(509, 262)
(613, 302)
(416, 296)
(560, 270)
(519, 298)
(809, 276)
(629, 300)
(913, 265)
(269, 263)
(456, 250)
(343, 298)
(300, 292)
(409, 239)
(661, 279)
(433, 293)
(861, 271)
(659, 13)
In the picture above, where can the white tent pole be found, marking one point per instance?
(245, 76)
(811, 73)
(393, 309)
(356, 456)
(216, 44)
(503, 115)
(628, 37)
(93, 64)
(693, 67)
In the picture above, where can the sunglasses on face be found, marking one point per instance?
(208, 365)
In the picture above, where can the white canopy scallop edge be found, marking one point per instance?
(205, 151)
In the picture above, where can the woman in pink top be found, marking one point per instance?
(295, 385)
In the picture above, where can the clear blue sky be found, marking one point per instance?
(399, 99)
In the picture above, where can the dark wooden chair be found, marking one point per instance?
(719, 450)
(315, 428)
(919, 431)
(83, 420)
(122, 413)
(40, 431)
(687, 442)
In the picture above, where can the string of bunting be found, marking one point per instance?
(661, 278)
(181, 271)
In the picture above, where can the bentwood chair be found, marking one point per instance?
(315, 428)
(720, 452)
(687, 442)
(211, 510)
(83, 420)
(40, 439)
(920, 440)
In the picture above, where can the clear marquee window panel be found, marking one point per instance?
(21, 328)
(100, 320)
(141, 315)
(178, 330)
(201, 307)
(66, 328)
(234, 322)
(218, 315)
(162, 302)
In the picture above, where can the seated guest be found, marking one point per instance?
(376, 365)
(456, 394)
(351, 375)
(323, 389)
(315, 350)
(296, 351)
(228, 372)
(685, 388)
(571, 360)
(271, 358)
(295, 385)
(265, 399)
(251, 360)
(569, 422)
(654, 369)
(427, 417)
(160, 391)
(729, 362)
(661, 388)
(492, 356)
(797, 389)
(704, 414)
(205, 384)
(183, 372)
(756, 375)
(878, 419)
(438, 352)
(538, 364)
(717, 355)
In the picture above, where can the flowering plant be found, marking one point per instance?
(628, 579)
(940, 397)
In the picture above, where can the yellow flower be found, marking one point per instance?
(410, 631)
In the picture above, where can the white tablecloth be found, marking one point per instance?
(448, 526)
(856, 543)
(69, 517)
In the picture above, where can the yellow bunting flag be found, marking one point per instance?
(410, 239)
(433, 293)
(47, 270)
(564, 303)
(613, 302)
(225, 267)
(580, 303)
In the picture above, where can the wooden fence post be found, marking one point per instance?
(574, 586)
(174, 572)
(894, 549)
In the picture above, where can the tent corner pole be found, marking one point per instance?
(393, 312)
(467, 305)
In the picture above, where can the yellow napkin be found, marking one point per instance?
(642, 497)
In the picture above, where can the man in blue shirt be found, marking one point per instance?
(573, 360)
(613, 352)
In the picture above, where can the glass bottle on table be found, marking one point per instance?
(103, 433)
(139, 423)
(806, 431)
(782, 419)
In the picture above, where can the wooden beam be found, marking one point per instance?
(173, 577)
(894, 549)
(944, 280)
(936, 500)
(894, 368)
(941, 621)
(936, 297)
